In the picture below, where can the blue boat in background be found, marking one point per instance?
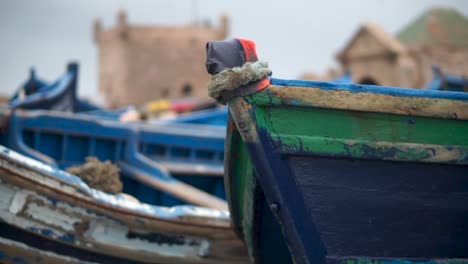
(215, 117)
(61, 95)
(345, 78)
(168, 164)
(186, 150)
(173, 167)
(447, 82)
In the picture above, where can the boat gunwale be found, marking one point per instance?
(177, 129)
(376, 89)
(341, 96)
(102, 206)
(56, 89)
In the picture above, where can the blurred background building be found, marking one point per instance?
(438, 37)
(157, 51)
(138, 63)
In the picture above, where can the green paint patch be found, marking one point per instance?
(363, 126)
(364, 134)
(264, 97)
(241, 185)
(370, 149)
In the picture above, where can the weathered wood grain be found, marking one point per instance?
(54, 211)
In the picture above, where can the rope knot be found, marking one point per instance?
(228, 83)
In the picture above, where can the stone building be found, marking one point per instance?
(439, 37)
(141, 63)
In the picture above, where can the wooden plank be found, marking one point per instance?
(177, 188)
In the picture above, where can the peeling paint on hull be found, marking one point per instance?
(382, 180)
(109, 231)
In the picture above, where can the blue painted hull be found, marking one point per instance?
(191, 154)
(447, 82)
(216, 117)
(59, 96)
(383, 209)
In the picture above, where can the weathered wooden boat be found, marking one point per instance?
(345, 78)
(50, 216)
(36, 94)
(215, 116)
(60, 95)
(167, 165)
(32, 85)
(320, 172)
(447, 82)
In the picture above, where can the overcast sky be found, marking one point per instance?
(293, 35)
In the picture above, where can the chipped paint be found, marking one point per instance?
(52, 216)
(35, 201)
(17, 204)
(242, 118)
(27, 213)
(61, 221)
(45, 174)
(62, 176)
(313, 122)
(241, 205)
(395, 151)
(167, 245)
(362, 101)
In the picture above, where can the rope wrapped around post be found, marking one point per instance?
(235, 69)
(228, 82)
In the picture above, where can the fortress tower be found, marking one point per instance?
(141, 63)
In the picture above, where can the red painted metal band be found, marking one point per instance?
(250, 53)
(262, 84)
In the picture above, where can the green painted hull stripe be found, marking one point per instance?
(373, 150)
(362, 126)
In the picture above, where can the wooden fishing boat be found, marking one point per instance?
(447, 82)
(345, 78)
(60, 95)
(320, 172)
(215, 117)
(50, 216)
(168, 165)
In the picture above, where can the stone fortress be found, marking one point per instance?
(140, 63)
(438, 37)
